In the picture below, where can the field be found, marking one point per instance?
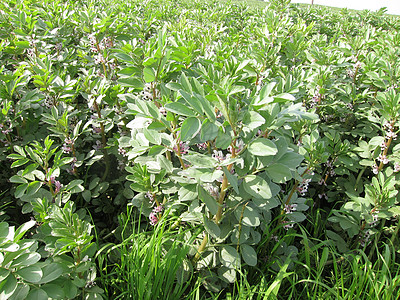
(172, 149)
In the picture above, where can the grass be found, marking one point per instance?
(148, 264)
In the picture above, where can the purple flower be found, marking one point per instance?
(396, 167)
(66, 149)
(289, 208)
(212, 189)
(158, 209)
(382, 158)
(96, 129)
(287, 225)
(58, 186)
(202, 146)
(183, 146)
(303, 186)
(150, 196)
(153, 218)
(122, 151)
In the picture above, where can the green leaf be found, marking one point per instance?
(207, 108)
(20, 293)
(257, 187)
(26, 259)
(33, 187)
(22, 229)
(165, 163)
(212, 228)
(192, 101)
(227, 274)
(20, 190)
(152, 136)
(8, 286)
(200, 160)
(179, 109)
(232, 179)
(188, 192)
(210, 202)
(31, 274)
(75, 186)
(278, 173)
(223, 140)
(20, 162)
(291, 159)
(70, 289)
(148, 74)
(20, 150)
(249, 254)
(263, 147)
(3, 273)
(190, 127)
(253, 120)
(53, 291)
(37, 294)
(250, 216)
(130, 82)
(51, 272)
(229, 257)
(4, 229)
(209, 131)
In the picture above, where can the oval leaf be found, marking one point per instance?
(190, 127)
(263, 147)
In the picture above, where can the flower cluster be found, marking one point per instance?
(375, 218)
(149, 195)
(154, 215)
(149, 92)
(303, 186)
(365, 239)
(238, 146)
(122, 151)
(212, 189)
(218, 155)
(183, 147)
(290, 208)
(103, 44)
(288, 224)
(72, 170)
(390, 135)
(315, 100)
(353, 72)
(57, 184)
(5, 130)
(202, 146)
(389, 131)
(162, 111)
(67, 146)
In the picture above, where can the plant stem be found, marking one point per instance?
(201, 248)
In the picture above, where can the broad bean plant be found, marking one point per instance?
(250, 125)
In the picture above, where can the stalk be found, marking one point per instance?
(221, 199)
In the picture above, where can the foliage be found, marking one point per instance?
(258, 131)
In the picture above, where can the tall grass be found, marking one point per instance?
(149, 264)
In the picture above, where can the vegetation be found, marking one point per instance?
(167, 149)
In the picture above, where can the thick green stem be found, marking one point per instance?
(201, 248)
